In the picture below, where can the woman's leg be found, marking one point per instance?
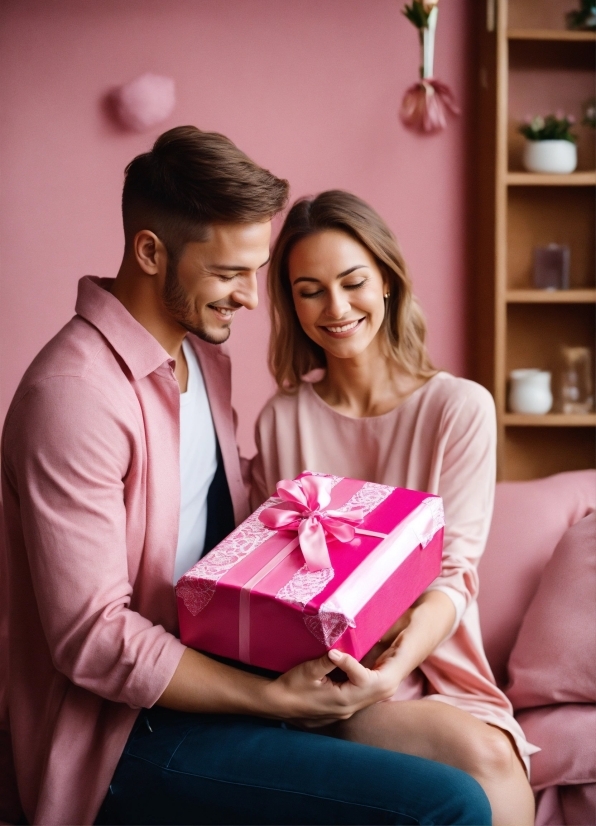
(441, 732)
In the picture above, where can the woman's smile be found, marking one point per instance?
(343, 329)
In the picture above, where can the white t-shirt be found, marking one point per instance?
(198, 463)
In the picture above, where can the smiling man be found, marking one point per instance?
(120, 470)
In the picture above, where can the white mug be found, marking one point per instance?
(530, 392)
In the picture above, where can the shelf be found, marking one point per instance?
(551, 34)
(538, 179)
(550, 296)
(550, 420)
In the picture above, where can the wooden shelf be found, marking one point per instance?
(551, 34)
(550, 420)
(550, 296)
(537, 179)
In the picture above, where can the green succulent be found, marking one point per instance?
(550, 128)
(584, 17)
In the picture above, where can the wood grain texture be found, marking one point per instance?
(531, 55)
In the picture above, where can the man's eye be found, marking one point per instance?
(225, 277)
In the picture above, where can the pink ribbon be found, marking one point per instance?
(303, 509)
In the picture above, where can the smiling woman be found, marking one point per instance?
(341, 300)
(341, 252)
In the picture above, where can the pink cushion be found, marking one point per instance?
(528, 521)
(554, 658)
(567, 736)
(575, 805)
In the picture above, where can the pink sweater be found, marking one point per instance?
(440, 440)
(90, 484)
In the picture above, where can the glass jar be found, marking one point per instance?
(576, 388)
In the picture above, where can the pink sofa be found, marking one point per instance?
(538, 614)
(531, 519)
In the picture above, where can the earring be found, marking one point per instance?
(386, 295)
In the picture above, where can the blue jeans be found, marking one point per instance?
(214, 768)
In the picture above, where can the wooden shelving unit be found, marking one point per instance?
(534, 179)
(529, 60)
(550, 296)
(551, 34)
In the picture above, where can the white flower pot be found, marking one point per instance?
(550, 156)
(529, 391)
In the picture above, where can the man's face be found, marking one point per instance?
(214, 278)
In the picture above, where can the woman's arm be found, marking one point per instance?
(414, 636)
(464, 476)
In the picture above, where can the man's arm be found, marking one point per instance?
(68, 454)
(305, 693)
(67, 451)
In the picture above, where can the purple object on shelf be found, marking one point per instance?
(551, 267)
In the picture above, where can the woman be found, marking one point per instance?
(341, 300)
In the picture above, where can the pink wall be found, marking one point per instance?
(309, 88)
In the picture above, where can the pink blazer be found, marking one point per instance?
(90, 485)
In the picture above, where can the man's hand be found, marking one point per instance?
(308, 697)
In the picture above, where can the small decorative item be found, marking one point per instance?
(551, 267)
(529, 391)
(576, 390)
(589, 111)
(584, 17)
(426, 103)
(145, 102)
(550, 144)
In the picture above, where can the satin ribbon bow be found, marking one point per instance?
(302, 509)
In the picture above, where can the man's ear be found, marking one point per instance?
(149, 251)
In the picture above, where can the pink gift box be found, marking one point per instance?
(266, 595)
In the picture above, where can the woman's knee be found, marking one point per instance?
(490, 754)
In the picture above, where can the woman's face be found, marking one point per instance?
(338, 292)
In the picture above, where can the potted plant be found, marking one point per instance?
(550, 144)
(584, 17)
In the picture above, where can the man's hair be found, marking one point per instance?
(191, 179)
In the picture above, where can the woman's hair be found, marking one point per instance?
(191, 179)
(292, 353)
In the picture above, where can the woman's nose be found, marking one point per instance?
(337, 304)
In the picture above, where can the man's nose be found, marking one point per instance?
(246, 293)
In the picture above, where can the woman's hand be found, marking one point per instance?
(413, 637)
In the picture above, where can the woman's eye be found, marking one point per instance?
(311, 295)
(354, 286)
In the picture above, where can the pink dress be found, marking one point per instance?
(441, 440)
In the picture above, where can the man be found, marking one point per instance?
(120, 470)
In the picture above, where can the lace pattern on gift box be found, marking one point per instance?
(327, 626)
(306, 585)
(197, 587)
(435, 503)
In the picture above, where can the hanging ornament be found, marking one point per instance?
(426, 103)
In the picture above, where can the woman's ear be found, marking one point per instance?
(149, 252)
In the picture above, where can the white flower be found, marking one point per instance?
(537, 124)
